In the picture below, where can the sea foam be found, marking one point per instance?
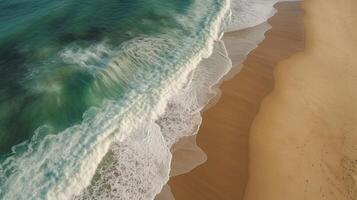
(142, 173)
(113, 157)
(65, 163)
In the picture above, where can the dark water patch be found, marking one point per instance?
(39, 87)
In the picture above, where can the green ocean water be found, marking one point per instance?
(39, 87)
(77, 74)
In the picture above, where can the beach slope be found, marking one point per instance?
(224, 133)
(303, 142)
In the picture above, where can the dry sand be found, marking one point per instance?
(224, 134)
(303, 142)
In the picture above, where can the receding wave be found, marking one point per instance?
(97, 103)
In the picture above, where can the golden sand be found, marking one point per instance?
(303, 142)
(224, 132)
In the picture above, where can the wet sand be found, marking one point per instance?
(224, 134)
(303, 142)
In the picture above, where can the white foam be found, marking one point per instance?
(89, 57)
(181, 117)
(133, 169)
(150, 127)
(187, 155)
(250, 13)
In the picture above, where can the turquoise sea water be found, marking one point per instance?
(93, 93)
(56, 57)
(76, 75)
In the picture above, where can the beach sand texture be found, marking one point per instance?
(303, 142)
(224, 134)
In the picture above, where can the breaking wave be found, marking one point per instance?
(141, 95)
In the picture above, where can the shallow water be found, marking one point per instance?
(59, 58)
(83, 79)
(76, 75)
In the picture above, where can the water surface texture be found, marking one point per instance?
(77, 75)
(57, 57)
(94, 93)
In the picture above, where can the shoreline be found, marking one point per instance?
(200, 183)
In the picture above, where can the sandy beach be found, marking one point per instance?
(224, 134)
(303, 143)
(105, 99)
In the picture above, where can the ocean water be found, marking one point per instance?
(93, 94)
